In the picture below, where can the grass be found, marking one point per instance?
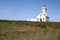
(23, 30)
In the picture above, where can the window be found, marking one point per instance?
(43, 18)
(37, 18)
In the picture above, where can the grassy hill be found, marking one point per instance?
(23, 30)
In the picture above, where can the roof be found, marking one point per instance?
(47, 17)
(44, 5)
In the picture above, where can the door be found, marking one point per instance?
(41, 19)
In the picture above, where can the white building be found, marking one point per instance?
(42, 16)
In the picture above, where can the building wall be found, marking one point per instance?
(41, 17)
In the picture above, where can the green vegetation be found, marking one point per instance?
(23, 30)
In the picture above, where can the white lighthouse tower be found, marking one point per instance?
(44, 9)
(42, 17)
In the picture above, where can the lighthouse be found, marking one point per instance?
(41, 17)
(44, 9)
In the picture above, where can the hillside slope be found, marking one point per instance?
(23, 30)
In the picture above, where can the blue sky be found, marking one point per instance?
(24, 9)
